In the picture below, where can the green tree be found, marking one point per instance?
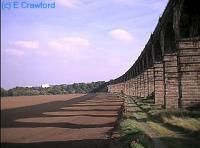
(4, 92)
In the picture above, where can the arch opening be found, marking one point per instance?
(145, 62)
(149, 58)
(169, 39)
(190, 19)
(157, 51)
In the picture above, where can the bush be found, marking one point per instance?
(54, 90)
(4, 92)
(21, 91)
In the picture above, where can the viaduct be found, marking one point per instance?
(169, 66)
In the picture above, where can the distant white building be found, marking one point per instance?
(46, 85)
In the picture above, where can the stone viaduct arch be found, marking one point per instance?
(169, 66)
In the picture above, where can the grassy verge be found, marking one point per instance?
(175, 129)
(132, 136)
(131, 133)
(180, 128)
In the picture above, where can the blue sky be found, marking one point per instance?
(78, 41)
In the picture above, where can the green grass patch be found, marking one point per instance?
(160, 130)
(132, 136)
(180, 128)
(186, 123)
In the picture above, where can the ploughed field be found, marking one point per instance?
(61, 121)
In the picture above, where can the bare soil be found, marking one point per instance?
(62, 121)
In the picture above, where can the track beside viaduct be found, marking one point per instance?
(169, 66)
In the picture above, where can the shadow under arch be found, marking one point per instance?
(189, 19)
(158, 55)
(169, 38)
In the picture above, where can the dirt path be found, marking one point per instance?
(65, 122)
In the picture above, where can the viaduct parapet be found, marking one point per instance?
(169, 66)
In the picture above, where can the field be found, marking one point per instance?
(77, 120)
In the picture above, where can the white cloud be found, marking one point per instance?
(21, 48)
(70, 43)
(69, 3)
(26, 44)
(15, 52)
(76, 41)
(68, 46)
(121, 35)
(71, 46)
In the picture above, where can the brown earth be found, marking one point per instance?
(62, 121)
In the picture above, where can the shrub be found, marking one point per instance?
(4, 92)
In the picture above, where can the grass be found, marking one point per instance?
(180, 128)
(171, 138)
(186, 123)
(128, 126)
(132, 136)
(160, 130)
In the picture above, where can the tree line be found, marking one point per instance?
(53, 90)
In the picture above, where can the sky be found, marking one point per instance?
(77, 41)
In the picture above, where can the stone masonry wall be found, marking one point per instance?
(146, 83)
(189, 69)
(142, 85)
(175, 81)
(158, 83)
(150, 80)
(171, 83)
